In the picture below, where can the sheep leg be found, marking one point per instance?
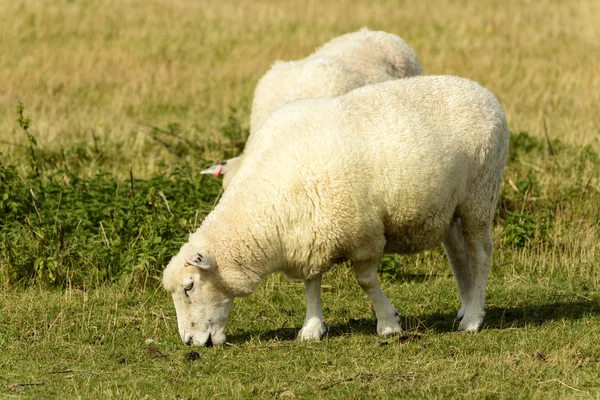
(388, 321)
(457, 253)
(470, 258)
(314, 328)
(480, 258)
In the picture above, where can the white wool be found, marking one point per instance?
(396, 167)
(343, 64)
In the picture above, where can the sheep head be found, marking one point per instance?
(202, 306)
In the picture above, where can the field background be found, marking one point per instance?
(164, 87)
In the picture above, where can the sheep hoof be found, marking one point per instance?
(471, 323)
(388, 328)
(312, 331)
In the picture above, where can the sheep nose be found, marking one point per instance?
(187, 340)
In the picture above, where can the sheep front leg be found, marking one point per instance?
(388, 321)
(314, 328)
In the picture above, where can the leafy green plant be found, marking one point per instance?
(390, 267)
(522, 143)
(25, 123)
(522, 229)
(59, 227)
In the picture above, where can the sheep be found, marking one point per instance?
(345, 63)
(395, 167)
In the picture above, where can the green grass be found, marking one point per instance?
(540, 340)
(84, 316)
(165, 90)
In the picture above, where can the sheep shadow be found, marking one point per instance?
(354, 325)
(496, 318)
(414, 278)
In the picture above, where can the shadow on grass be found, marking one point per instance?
(360, 325)
(417, 278)
(496, 318)
(512, 317)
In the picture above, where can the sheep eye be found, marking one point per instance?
(187, 287)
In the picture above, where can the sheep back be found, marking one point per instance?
(386, 167)
(342, 64)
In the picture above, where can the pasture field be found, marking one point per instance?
(108, 111)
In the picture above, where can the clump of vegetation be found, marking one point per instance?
(61, 228)
(533, 194)
(526, 218)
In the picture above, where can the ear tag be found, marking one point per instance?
(218, 170)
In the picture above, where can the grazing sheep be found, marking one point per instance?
(341, 65)
(396, 167)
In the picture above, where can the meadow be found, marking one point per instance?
(108, 112)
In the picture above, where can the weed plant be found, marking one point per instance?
(60, 228)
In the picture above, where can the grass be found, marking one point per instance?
(100, 68)
(118, 341)
(148, 93)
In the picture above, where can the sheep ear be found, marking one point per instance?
(203, 260)
(216, 170)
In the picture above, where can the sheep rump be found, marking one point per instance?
(398, 167)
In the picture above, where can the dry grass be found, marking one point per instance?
(108, 64)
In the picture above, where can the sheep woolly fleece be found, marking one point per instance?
(395, 167)
(345, 63)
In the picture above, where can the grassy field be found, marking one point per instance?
(128, 101)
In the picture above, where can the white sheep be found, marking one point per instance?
(341, 65)
(395, 167)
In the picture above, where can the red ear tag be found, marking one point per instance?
(218, 170)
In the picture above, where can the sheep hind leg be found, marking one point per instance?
(470, 255)
(480, 258)
(314, 328)
(388, 321)
(458, 257)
